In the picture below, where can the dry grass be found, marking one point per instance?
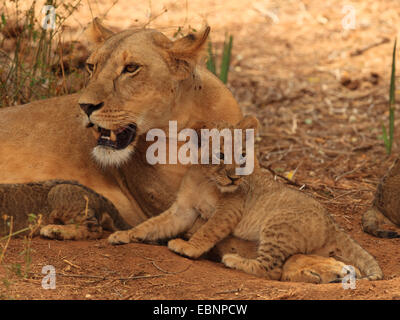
(35, 63)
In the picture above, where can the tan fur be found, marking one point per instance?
(386, 206)
(252, 207)
(69, 210)
(314, 269)
(47, 139)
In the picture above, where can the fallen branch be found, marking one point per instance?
(370, 46)
(169, 272)
(107, 278)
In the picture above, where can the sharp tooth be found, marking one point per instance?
(96, 134)
(106, 138)
(113, 136)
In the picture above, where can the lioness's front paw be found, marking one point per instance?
(184, 248)
(127, 236)
(137, 235)
(119, 237)
(310, 276)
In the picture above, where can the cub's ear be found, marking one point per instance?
(186, 52)
(97, 33)
(249, 122)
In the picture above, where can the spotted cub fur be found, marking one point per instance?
(69, 210)
(283, 221)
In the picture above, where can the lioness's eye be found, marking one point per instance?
(90, 67)
(130, 68)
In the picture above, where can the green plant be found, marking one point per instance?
(12, 270)
(225, 59)
(29, 68)
(388, 136)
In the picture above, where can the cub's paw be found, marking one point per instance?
(231, 260)
(70, 232)
(184, 248)
(53, 231)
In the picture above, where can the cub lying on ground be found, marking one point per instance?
(386, 205)
(66, 214)
(283, 221)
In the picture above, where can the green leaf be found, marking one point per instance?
(32, 218)
(3, 19)
(385, 139)
(226, 60)
(393, 78)
(210, 59)
(392, 101)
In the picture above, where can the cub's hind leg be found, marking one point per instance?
(273, 251)
(72, 217)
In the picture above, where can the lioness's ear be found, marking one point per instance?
(97, 33)
(249, 122)
(185, 53)
(198, 126)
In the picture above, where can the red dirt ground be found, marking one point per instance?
(321, 93)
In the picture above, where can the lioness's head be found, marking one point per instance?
(235, 151)
(135, 79)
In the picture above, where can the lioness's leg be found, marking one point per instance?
(168, 224)
(72, 216)
(314, 269)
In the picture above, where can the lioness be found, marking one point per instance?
(386, 206)
(252, 207)
(139, 80)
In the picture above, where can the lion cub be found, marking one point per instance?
(386, 206)
(66, 213)
(254, 207)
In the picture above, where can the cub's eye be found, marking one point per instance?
(90, 67)
(220, 155)
(130, 68)
(242, 161)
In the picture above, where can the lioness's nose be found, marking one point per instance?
(89, 108)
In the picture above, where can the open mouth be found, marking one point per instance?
(116, 139)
